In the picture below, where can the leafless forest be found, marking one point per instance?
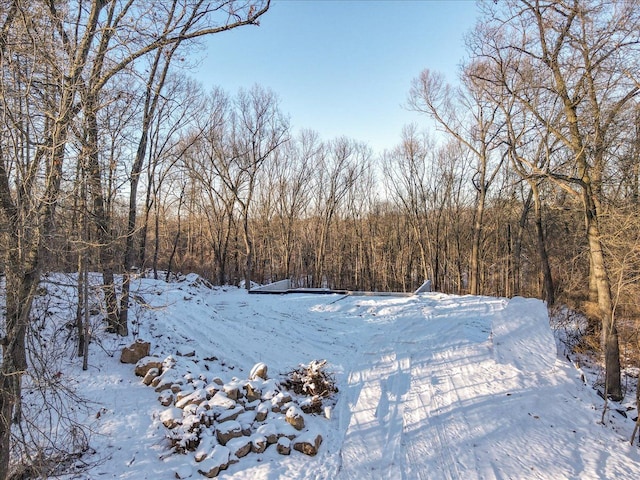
(113, 160)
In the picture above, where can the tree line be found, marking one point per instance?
(113, 160)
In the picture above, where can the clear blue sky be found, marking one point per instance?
(342, 67)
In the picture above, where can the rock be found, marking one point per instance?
(190, 409)
(207, 416)
(269, 389)
(232, 414)
(171, 417)
(135, 352)
(307, 444)
(284, 446)
(218, 460)
(261, 416)
(232, 391)
(268, 431)
(217, 380)
(246, 419)
(328, 412)
(191, 423)
(194, 398)
(239, 447)
(312, 405)
(165, 398)
(228, 430)
(212, 389)
(147, 363)
(284, 429)
(168, 362)
(156, 381)
(220, 402)
(262, 411)
(150, 375)
(163, 387)
(252, 393)
(279, 401)
(295, 417)
(258, 444)
(198, 384)
(259, 370)
(204, 448)
(184, 391)
(166, 380)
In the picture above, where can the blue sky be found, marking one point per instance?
(342, 67)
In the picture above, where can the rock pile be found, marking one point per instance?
(222, 422)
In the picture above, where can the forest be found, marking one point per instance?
(524, 179)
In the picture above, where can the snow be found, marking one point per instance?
(430, 386)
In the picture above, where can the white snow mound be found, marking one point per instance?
(522, 336)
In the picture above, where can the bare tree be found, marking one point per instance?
(288, 181)
(336, 173)
(406, 170)
(241, 136)
(59, 58)
(474, 120)
(570, 68)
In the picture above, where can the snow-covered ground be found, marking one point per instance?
(431, 386)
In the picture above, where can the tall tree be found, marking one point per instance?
(49, 53)
(469, 115)
(339, 169)
(241, 136)
(290, 180)
(572, 69)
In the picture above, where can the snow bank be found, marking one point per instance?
(522, 336)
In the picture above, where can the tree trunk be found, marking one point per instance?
(248, 245)
(100, 215)
(549, 290)
(81, 302)
(156, 242)
(474, 286)
(516, 262)
(177, 237)
(129, 250)
(21, 289)
(613, 384)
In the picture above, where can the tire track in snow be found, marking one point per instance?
(438, 427)
(373, 440)
(373, 436)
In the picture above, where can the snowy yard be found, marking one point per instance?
(430, 387)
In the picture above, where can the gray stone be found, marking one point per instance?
(284, 446)
(259, 370)
(147, 363)
(308, 445)
(228, 430)
(135, 352)
(258, 444)
(295, 417)
(240, 446)
(150, 375)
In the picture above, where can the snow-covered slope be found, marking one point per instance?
(431, 387)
